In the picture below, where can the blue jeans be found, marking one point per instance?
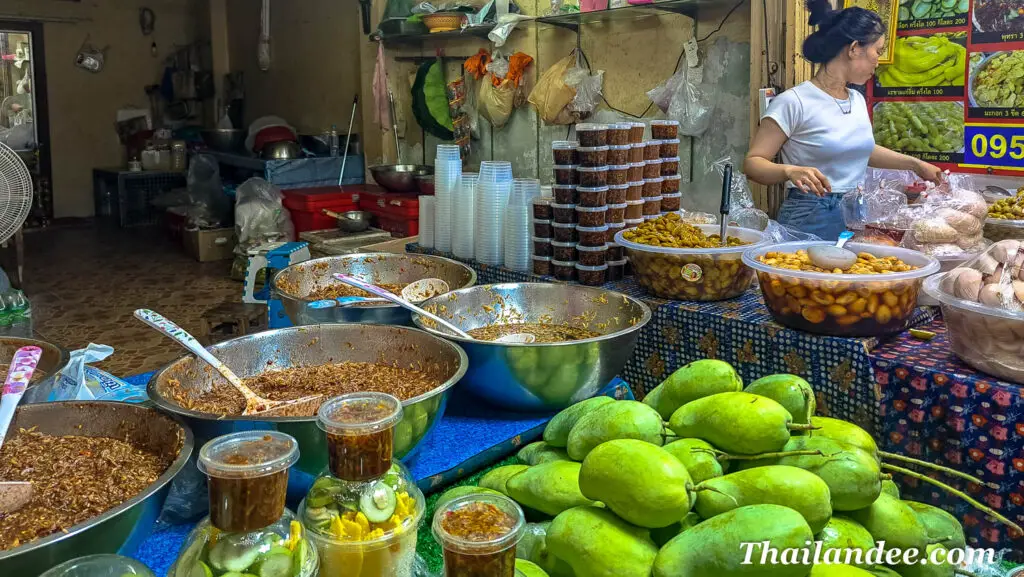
(820, 216)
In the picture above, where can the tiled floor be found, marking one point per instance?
(85, 282)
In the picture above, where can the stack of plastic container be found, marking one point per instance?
(426, 221)
(492, 192)
(518, 229)
(463, 216)
(667, 131)
(447, 172)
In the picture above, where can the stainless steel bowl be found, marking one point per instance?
(53, 360)
(399, 177)
(355, 220)
(316, 345)
(224, 139)
(281, 150)
(294, 284)
(123, 528)
(541, 376)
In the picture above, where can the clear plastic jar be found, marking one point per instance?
(478, 534)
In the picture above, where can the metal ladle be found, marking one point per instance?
(520, 338)
(830, 257)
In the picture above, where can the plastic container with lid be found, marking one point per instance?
(564, 213)
(592, 255)
(249, 530)
(564, 232)
(564, 193)
(636, 152)
(101, 565)
(541, 246)
(563, 270)
(633, 222)
(616, 252)
(618, 155)
(592, 175)
(564, 151)
(542, 265)
(848, 305)
(652, 168)
(563, 251)
(542, 208)
(670, 166)
(613, 229)
(664, 129)
(997, 229)
(634, 210)
(636, 171)
(542, 228)
(565, 173)
(364, 511)
(589, 134)
(618, 175)
(478, 534)
(592, 235)
(592, 275)
(670, 183)
(616, 213)
(590, 216)
(617, 193)
(618, 133)
(982, 303)
(670, 148)
(671, 201)
(652, 205)
(694, 274)
(652, 187)
(635, 190)
(592, 155)
(592, 195)
(616, 269)
(636, 132)
(652, 150)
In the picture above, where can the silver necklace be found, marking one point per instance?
(839, 103)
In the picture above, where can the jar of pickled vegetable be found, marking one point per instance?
(249, 530)
(478, 534)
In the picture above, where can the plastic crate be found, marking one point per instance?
(127, 196)
(306, 206)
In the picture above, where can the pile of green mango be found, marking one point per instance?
(671, 486)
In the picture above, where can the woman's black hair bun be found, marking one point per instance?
(822, 15)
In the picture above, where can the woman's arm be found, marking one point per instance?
(882, 157)
(759, 166)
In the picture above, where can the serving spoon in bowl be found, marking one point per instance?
(831, 257)
(521, 338)
(254, 404)
(16, 494)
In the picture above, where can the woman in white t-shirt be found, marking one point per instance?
(822, 128)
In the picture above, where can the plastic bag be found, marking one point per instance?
(495, 103)
(588, 88)
(209, 207)
(691, 104)
(259, 215)
(949, 222)
(552, 96)
(79, 382)
(705, 193)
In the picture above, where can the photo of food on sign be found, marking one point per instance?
(936, 63)
(919, 14)
(998, 16)
(920, 127)
(997, 80)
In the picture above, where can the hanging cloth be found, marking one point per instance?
(476, 65)
(381, 110)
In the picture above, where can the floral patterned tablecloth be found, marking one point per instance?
(936, 408)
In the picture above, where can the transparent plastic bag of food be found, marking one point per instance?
(208, 206)
(697, 217)
(588, 88)
(994, 278)
(692, 104)
(259, 215)
(950, 221)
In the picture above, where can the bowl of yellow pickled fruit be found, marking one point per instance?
(874, 296)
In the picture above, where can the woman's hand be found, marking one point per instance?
(808, 179)
(929, 172)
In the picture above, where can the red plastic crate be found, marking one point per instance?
(399, 228)
(389, 205)
(306, 206)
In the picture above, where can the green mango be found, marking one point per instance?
(834, 570)
(529, 569)
(792, 487)
(841, 535)
(640, 482)
(663, 535)
(461, 491)
(541, 452)
(739, 422)
(891, 488)
(844, 432)
(497, 477)
(533, 547)
(942, 527)
(618, 420)
(882, 571)
(940, 569)
(556, 433)
(790, 391)
(714, 548)
(891, 520)
(701, 463)
(526, 453)
(852, 475)
(597, 543)
(691, 382)
(549, 488)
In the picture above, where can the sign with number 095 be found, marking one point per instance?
(999, 146)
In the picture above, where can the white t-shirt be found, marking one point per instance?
(821, 136)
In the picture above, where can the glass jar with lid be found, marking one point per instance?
(363, 512)
(249, 530)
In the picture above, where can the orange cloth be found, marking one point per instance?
(516, 67)
(477, 65)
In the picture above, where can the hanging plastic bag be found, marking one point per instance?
(552, 96)
(209, 207)
(588, 88)
(680, 98)
(495, 103)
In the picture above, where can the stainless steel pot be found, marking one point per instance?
(316, 345)
(541, 376)
(123, 528)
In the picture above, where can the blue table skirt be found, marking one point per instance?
(470, 436)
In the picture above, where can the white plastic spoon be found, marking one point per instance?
(15, 494)
(423, 289)
(831, 257)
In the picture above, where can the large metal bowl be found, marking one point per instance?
(53, 360)
(294, 284)
(224, 139)
(399, 177)
(121, 529)
(541, 376)
(316, 345)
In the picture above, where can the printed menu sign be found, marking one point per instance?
(952, 90)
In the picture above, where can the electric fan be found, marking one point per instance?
(15, 192)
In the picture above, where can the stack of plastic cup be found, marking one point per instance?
(492, 192)
(447, 171)
(463, 216)
(426, 221)
(518, 229)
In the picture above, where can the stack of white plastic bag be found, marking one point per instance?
(80, 382)
(447, 172)
(492, 193)
(464, 216)
(518, 233)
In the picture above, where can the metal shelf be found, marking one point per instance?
(469, 32)
(632, 12)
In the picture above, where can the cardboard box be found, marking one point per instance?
(210, 245)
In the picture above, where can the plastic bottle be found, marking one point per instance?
(5, 313)
(334, 141)
(20, 314)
